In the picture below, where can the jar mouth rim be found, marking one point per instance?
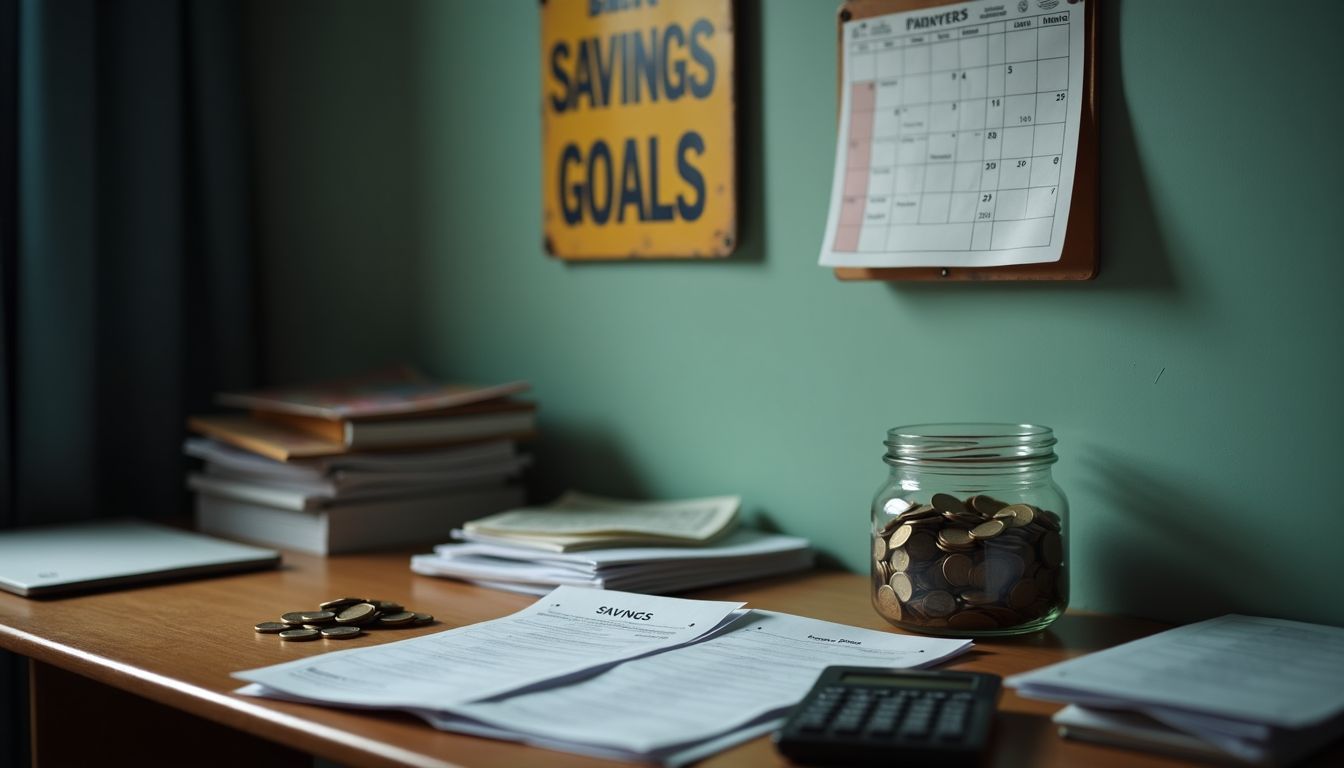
(969, 431)
(972, 443)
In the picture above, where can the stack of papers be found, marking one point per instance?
(743, 554)
(610, 674)
(578, 521)
(1256, 690)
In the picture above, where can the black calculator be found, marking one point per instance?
(905, 717)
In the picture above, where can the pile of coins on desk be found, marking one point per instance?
(342, 619)
(968, 566)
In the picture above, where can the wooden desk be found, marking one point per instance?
(147, 670)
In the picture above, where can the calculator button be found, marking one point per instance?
(848, 726)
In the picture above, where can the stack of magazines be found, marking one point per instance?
(583, 540)
(386, 459)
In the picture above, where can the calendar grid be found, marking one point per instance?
(955, 138)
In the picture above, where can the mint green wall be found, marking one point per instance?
(1194, 386)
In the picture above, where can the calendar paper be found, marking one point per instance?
(958, 136)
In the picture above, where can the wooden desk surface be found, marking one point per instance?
(177, 644)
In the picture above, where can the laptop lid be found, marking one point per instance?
(83, 556)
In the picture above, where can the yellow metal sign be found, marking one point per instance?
(638, 155)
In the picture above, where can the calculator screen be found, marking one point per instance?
(935, 683)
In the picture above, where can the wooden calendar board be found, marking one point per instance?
(1078, 260)
(638, 155)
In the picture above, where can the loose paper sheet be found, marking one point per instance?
(580, 514)
(570, 630)
(1274, 672)
(958, 136)
(759, 667)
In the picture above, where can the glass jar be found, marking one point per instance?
(969, 530)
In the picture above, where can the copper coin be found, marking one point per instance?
(340, 604)
(341, 633)
(986, 505)
(1004, 617)
(881, 572)
(396, 619)
(976, 597)
(903, 586)
(1052, 550)
(1023, 594)
(947, 504)
(957, 570)
(887, 604)
(938, 604)
(955, 538)
(968, 520)
(1045, 581)
(899, 560)
(987, 530)
(1023, 514)
(978, 576)
(358, 614)
(1050, 520)
(922, 547)
(1001, 573)
(922, 512)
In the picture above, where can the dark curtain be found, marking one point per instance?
(126, 292)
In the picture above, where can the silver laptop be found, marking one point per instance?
(84, 556)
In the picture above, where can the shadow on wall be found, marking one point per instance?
(1157, 549)
(570, 457)
(1133, 252)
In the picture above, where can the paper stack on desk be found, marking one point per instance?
(585, 540)
(610, 674)
(743, 554)
(1261, 691)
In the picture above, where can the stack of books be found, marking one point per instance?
(582, 540)
(387, 459)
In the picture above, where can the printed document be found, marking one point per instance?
(583, 671)
(756, 669)
(569, 631)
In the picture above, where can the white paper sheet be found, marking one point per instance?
(958, 136)
(1285, 674)
(742, 543)
(566, 632)
(579, 514)
(754, 670)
